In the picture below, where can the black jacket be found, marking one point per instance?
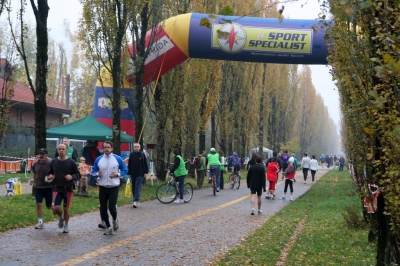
(256, 177)
(137, 164)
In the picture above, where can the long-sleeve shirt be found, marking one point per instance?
(137, 164)
(256, 177)
(314, 165)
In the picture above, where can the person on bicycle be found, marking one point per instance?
(179, 170)
(235, 162)
(214, 161)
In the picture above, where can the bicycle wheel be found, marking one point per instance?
(214, 184)
(166, 193)
(237, 181)
(188, 192)
(232, 180)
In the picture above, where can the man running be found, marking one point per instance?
(110, 168)
(64, 172)
(42, 189)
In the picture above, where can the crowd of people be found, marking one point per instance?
(55, 179)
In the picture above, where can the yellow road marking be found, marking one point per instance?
(128, 240)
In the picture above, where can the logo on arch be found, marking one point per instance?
(231, 37)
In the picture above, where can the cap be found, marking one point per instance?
(212, 149)
(42, 150)
(235, 153)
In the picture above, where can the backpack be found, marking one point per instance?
(197, 162)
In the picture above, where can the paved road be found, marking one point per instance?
(153, 234)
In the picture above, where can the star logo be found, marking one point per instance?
(231, 37)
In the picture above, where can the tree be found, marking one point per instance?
(39, 87)
(102, 32)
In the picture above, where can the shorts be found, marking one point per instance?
(46, 193)
(63, 195)
(272, 185)
(258, 191)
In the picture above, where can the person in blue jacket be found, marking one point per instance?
(110, 168)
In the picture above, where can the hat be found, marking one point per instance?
(235, 153)
(42, 150)
(212, 150)
(291, 160)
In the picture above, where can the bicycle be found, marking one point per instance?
(234, 179)
(168, 192)
(213, 180)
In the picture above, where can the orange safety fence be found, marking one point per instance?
(2, 166)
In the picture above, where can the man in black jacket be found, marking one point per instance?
(137, 170)
(256, 183)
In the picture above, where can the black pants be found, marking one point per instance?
(108, 196)
(340, 167)
(313, 174)
(305, 173)
(288, 182)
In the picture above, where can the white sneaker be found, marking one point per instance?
(115, 225)
(282, 198)
(108, 231)
(61, 222)
(66, 230)
(260, 212)
(102, 225)
(305, 182)
(267, 196)
(291, 198)
(39, 226)
(179, 201)
(134, 204)
(217, 189)
(252, 211)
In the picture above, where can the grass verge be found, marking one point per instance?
(324, 238)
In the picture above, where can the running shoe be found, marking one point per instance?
(115, 225)
(291, 198)
(61, 222)
(273, 197)
(252, 211)
(282, 198)
(39, 226)
(134, 204)
(102, 225)
(108, 231)
(179, 201)
(217, 189)
(260, 212)
(267, 196)
(66, 230)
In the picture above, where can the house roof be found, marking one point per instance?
(23, 96)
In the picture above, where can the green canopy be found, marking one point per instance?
(88, 128)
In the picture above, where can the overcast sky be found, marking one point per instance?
(61, 10)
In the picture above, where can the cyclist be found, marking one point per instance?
(214, 161)
(179, 170)
(235, 162)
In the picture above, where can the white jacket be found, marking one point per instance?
(305, 162)
(314, 165)
(108, 164)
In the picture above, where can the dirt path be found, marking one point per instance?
(196, 233)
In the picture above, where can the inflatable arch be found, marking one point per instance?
(194, 35)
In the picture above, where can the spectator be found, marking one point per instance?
(341, 163)
(71, 151)
(201, 171)
(137, 171)
(222, 156)
(90, 153)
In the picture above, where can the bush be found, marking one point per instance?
(353, 217)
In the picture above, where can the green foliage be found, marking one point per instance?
(226, 11)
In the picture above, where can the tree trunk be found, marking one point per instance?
(41, 14)
(213, 129)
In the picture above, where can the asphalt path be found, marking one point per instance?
(195, 233)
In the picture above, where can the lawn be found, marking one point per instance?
(316, 218)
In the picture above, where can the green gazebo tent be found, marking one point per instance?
(87, 128)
